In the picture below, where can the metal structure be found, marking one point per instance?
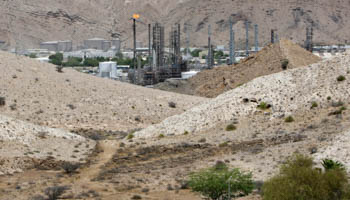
(247, 23)
(158, 46)
(309, 38)
(150, 46)
(256, 35)
(232, 43)
(210, 57)
(188, 29)
(175, 51)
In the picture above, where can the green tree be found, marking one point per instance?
(195, 53)
(56, 59)
(215, 182)
(300, 180)
(218, 54)
(92, 62)
(73, 62)
(32, 55)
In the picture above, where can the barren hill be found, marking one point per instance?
(288, 92)
(24, 145)
(26, 23)
(271, 59)
(37, 93)
(211, 83)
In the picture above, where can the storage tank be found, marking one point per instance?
(65, 46)
(94, 43)
(117, 44)
(139, 44)
(50, 46)
(106, 45)
(108, 70)
(187, 75)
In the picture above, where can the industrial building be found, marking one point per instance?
(107, 70)
(102, 44)
(2, 44)
(57, 46)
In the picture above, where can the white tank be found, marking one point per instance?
(187, 75)
(108, 69)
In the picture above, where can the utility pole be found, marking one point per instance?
(232, 43)
(247, 37)
(256, 34)
(149, 47)
(209, 59)
(134, 31)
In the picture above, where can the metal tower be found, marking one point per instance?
(210, 50)
(247, 37)
(188, 28)
(256, 34)
(158, 46)
(232, 43)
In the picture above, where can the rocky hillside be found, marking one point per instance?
(286, 93)
(272, 59)
(37, 93)
(26, 23)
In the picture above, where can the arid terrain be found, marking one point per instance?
(26, 23)
(271, 59)
(132, 142)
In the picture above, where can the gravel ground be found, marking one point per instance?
(37, 93)
(20, 142)
(287, 92)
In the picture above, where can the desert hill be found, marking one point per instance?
(37, 93)
(27, 23)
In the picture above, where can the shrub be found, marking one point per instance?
(186, 133)
(215, 181)
(161, 136)
(55, 192)
(59, 69)
(2, 101)
(32, 55)
(70, 168)
(314, 105)
(339, 111)
(329, 98)
(231, 127)
(341, 78)
(136, 197)
(172, 104)
(56, 59)
(289, 119)
(264, 106)
(329, 164)
(130, 136)
(284, 64)
(299, 179)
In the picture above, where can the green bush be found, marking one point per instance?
(161, 136)
(329, 164)
(289, 119)
(231, 127)
(263, 106)
(91, 62)
(284, 64)
(341, 78)
(73, 62)
(314, 105)
(214, 182)
(300, 180)
(32, 55)
(130, 136)
(56, 59)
